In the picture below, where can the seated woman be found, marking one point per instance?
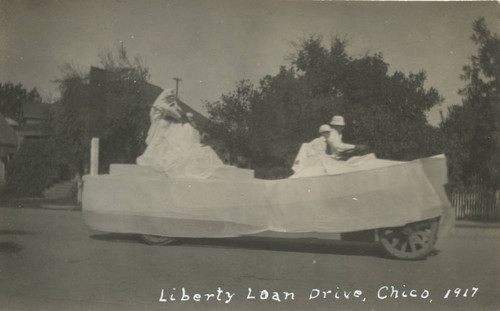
(325, 155)
(313, 155)
(173, 146)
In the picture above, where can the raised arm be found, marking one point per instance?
(336, 144)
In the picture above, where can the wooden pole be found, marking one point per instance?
(94, 156)
(177, 80)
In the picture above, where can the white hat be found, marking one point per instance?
(169, 92)
(338, 120)
(325, 128)
(162, 98)
(170, 109)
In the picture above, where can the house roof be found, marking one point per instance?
(103, 104)
(32, 130)
(34, 110)
(98, 78)
(153, 91)
(8, 138)
(11, 122)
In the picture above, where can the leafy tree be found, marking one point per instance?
(126, 128)
(231, 118)
(69, 122)
(13, 98)
(473, 129)
(32, 169)
(387, 112)
(126, 122)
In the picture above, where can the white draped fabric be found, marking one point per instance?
(189, 207)
(309, 163)
(175, 149)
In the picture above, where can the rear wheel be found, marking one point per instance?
(156, 239)
(413, 241)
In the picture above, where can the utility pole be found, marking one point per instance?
(177, 80)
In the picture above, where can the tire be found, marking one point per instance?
(413, 241)
(156, 239)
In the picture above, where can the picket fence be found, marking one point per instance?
(476, 204)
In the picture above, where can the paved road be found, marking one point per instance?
(50, 261)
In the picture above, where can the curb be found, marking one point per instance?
(476, 224)
(61, 207)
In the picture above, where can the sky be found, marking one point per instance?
(212, 44)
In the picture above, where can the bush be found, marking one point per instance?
(273, 172)
(31, 170)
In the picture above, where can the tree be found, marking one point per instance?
(231, 118)
(473, 130)
(385, 111)
(13, 98)
(32, 169)
(124, 129)
(68, 136)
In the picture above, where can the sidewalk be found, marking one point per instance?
(41, 202)
(477, 224)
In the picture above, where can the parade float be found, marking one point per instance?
(181, 189)
(405, 205)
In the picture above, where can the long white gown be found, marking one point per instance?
(175, 149)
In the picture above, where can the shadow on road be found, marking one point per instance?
(15, 232)
(10, 247)
(117, 237)
(297, 245)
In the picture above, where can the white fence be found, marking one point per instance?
(476, 204)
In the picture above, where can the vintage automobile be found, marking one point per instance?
(404, 205)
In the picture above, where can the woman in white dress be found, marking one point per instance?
(174, 146)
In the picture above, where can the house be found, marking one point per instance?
(32, 125)
(12, 133)
(9, 144)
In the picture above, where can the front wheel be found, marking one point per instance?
(156, 239)
(413, 241)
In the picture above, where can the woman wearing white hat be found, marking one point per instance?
(163, 112)
(313, 160)
(313, 151)
(319, 145)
